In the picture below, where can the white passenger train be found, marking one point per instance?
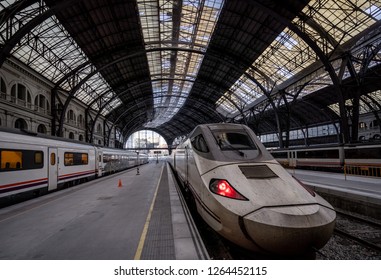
(244, 194)
(333, 157)
(33, 164)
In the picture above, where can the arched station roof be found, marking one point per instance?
(168, 65)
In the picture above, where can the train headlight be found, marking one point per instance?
(223, 188)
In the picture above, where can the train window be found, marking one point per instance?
(199, 144)
(363, 153)
(9, 159)
(52, 159)
(13, 160)
(38, 158)
(84, 159)
(75, 159)
(331, 153)
(106, 158)
(229, 140)
(279, 154)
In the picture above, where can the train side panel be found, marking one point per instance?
(76, 164)
(23, 168)
(180, 160)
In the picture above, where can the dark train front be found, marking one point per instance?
(247, 196)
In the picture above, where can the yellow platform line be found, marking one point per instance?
(139, 250)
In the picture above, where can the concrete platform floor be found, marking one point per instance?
(143, 218)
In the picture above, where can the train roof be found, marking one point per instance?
(23, 136)
(20, 136)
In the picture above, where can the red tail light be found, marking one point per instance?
(223, 188)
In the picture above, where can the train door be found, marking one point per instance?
(99, 162)
(292, 158)
(53, 168)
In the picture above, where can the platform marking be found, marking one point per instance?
(139, 250)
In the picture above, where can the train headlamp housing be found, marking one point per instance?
(223, 188)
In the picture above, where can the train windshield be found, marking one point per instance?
(234, 140)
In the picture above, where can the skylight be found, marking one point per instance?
(176, 30)
(288, 54)
(49, 50)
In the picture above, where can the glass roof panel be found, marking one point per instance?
(368, 103)
(288, 54)
(6, 3)
(176, 67)
(344, 19)
(49, 50)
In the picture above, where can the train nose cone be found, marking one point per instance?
(290, 230)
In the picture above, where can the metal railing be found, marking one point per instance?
(362, 170)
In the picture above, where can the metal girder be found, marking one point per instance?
(217, 56)
(324, 59)
(199, 102)
(27, 27)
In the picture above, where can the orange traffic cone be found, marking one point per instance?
(120, 183)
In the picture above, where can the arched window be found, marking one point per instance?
(20, 95)
(81, 120)
(3, 88)
(362, 125)
(80, 138)
(71, 116)
(41, 129)
(21, 124)
(71, 135)
(99, 142)
(41, 102)
(374, 123)
(99, 128)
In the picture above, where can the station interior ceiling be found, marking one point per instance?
(168, 65)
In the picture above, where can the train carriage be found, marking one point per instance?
(32, 164)
(356, 158)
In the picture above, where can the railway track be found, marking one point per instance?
(355, 238)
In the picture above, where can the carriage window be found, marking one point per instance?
(199, 144)
(75, 159)
(368, 153)
(333, 153)
(106, 158)
(229, 140)
(279, 154)
(52, 159)
(38, 157)
(13, 160)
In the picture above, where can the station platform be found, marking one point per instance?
(131, 215)
(364, 188)
(361, 195)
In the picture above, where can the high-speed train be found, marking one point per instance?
(245, 195)
(32, 164)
